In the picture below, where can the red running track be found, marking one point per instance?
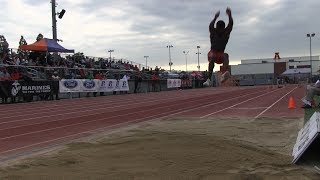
(32, 127)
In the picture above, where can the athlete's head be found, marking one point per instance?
(221, 25)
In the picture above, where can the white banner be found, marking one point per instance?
(173, 83)
(123, 85)
(69, 85)
(95, 85)
(306, 136)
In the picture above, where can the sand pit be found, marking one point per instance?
(177, 149)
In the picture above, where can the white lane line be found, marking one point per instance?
(250, 108)
(238, 104)
(202, 106)
(274, 103)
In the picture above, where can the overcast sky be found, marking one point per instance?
(138, 28)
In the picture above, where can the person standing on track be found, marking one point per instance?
(219, 38)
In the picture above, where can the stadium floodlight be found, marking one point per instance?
(310, 36)
(146, 61)
(198, 53)
(186, 54)
(170, 62)
(110, 51)
(61, 14)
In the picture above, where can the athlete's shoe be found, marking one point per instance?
(225, 76)
(207, 83)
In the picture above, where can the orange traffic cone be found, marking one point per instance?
(291, 103)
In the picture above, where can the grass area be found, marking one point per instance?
(309, 112)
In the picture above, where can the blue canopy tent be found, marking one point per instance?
(45, 45)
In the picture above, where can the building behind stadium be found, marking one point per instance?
(268, 70)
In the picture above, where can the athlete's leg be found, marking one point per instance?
(225, 65)
(225, 68)
(211, 59)
(210, 68)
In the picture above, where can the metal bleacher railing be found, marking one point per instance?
(140, 78)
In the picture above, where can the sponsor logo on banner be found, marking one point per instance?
(70, 84)
(107, 85)
(121, 85)
(35, 89)
(16, 87)
(80, 85)
(89, 84)
(124, 85)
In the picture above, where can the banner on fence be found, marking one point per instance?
(174, 83)
(89, 85)
(85, 85)
(69, 85)
(17, 88)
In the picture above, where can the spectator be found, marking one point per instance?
(4, 75)
(15, 75)
(55, 85)
(99, 76)
(137, 81)
(90, 77)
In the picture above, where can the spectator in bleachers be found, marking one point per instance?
(15, 75)
(89, 76)
(137, 81)
(4, 75)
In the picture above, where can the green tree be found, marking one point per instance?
(39, 37)
(4, 46)
(22, 42)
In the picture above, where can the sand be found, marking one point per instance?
(177, 149)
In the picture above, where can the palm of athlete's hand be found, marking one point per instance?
(217, 14)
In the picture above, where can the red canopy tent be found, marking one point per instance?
(45, 45)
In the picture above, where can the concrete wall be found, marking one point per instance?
(242, 69)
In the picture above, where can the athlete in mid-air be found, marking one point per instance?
(219, 37)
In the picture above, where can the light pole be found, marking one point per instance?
(110, 51)
(198, 47)
(186, 54)
(170, 62)
(146, 61)
(54, 19)
(310, 36)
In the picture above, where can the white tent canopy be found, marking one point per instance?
(297, 71)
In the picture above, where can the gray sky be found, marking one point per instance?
(136, 28)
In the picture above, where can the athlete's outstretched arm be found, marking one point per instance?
(213, 22)
(230, 25)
